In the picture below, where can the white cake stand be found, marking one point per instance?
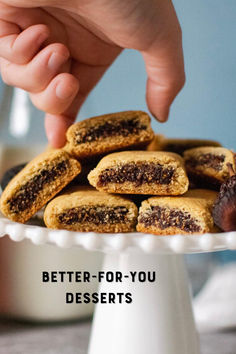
(160, 318)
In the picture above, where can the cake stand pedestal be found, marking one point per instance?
(159, 320)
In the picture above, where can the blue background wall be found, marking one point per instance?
(206, 107)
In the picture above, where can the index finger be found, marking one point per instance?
(165, 66)
(20, 47)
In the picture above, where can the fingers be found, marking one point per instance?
(36, 76)
(20, 47)
(41, 72)
(165, 67)
(58, 95)
(56, 127)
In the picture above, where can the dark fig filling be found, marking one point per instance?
(228, 186)
(207, 160)
(163, 218)
(109, 129)
(94, 214)
(137, 173)
(28, 193)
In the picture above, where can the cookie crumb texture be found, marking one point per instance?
(207, 166)
(107, 133)
(224, 210)
(187, 214)
(97, 215)
(164, 218)
(84, 209)
(208, 160)
(178, 145)
(28, 193)
(139, 172)
(37, 183)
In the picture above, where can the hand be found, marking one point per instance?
(59, 52)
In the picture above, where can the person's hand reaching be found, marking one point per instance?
(58, 50)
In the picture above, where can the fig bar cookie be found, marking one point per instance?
(207, 166)
(140, 172)
(110, 132)
(157, 143)
(37, 183)
(161, 143)
(186, 214)
(83, 209)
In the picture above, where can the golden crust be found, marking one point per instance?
(157, 143)
(111, 142)
(194, 162)
(178, 183)
(46, 161)
(178, 145)
(87, 197)
(196, 205)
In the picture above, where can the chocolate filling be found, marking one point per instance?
(137, 173)
(207, 160)
(94, 214)
(109, 129)
(164, 218)
(28, 193)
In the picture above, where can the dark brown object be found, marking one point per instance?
(110, 129)
(207, 160)
(138, 173)
(224, 210)
(164, 218)
(9, 174)
(96, 215)
(29, 192)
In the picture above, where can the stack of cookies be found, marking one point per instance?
(109, 164)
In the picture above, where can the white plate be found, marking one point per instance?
(119, 242)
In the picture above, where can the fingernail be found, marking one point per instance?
(65, 92)
(56, 60)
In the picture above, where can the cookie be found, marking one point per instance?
(161, 143)
(140, 172)
(109, 132)
(207, 166)
(224, 210)
(37, 183)
(9, 174)
(84, 209)
(157, 143)
(187, 214)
